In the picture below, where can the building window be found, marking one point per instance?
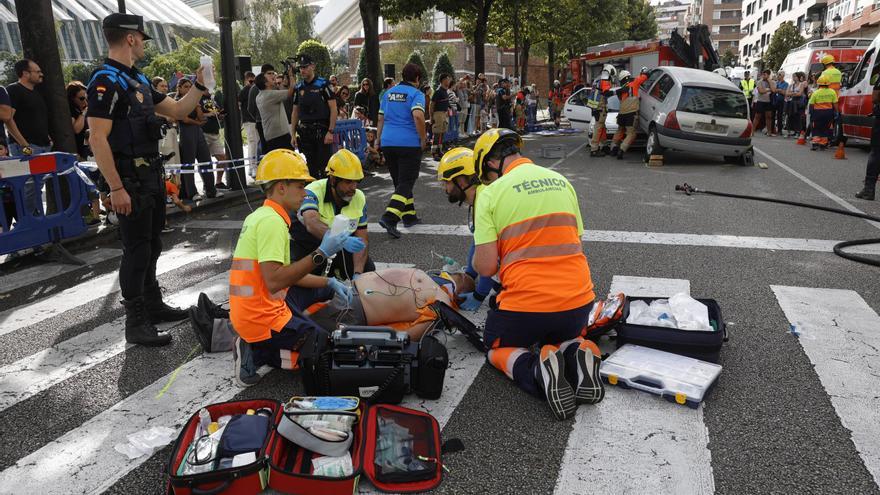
(716, 14)
(716, 29)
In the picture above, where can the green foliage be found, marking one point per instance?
(408, 39)
(339, 61)
(267, 40)
(7, 69)
(729, 58)
(362, 66)
(320, 55)
(784, 40)
(442, 66)
(416, 58)
(639, 21)
(79, 71)
(185, 58)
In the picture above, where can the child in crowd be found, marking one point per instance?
(375, 159)
(172, 191)
(823, 107)
(519, 111)
(360, 113)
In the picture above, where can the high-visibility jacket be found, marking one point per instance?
(533, 214)
(823, 99)
(748, 87)
(320, 198)
(834, 78)
(629, 98)
(254, 311)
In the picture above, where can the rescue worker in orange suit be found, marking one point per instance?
(601, 92)
(628, 94)
(834, 77)
(528, 230)
(272, 331)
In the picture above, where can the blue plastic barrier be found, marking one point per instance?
(452, 130)
(351, 135)
(22, 179)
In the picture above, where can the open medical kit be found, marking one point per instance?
(382, 365)
(676, 378)
(699, 337)
(307, 446)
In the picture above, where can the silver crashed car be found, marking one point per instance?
(695, 111)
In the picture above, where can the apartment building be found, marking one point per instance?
(672, 15)
(761, 18)
(854, 18)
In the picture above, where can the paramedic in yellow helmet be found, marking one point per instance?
(528, 231)
(461, 185)
(270, 330)
(338, 194)
(832, 74)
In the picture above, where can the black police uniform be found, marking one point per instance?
(314, 121)
(125, 96)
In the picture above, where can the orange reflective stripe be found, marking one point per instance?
(532, 252)
(245, 265)
(241, 290)
(823, 106)
(536, 223)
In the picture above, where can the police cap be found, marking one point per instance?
(303, 60)
(130, 22)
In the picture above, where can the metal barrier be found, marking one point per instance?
(351, 135)
(22, 179)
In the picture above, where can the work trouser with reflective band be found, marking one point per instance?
(626, 124)
(403, 164)
(511, 334)
(599, 132)
(823, 125)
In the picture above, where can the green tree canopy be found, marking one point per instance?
(416, 58)
(267, 40)
(639, 21)
(320, 54)
(441, 66)
(185, 58)
(784, 40)
(362, 66)
(408, 38)
(729, 58)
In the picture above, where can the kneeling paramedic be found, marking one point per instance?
(124, 136)
(272, 332)
(528, 229)
(326, 198)
(461, 185)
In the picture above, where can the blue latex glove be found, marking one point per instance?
(470, 302)
(332, 244)
(340, 289)
(354, 244)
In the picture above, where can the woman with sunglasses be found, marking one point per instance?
(78, 102)
(343, 107)
(367, 98)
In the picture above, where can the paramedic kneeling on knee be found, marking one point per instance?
(528, 229)
(271, 331)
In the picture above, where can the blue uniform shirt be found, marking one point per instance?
(397, 106)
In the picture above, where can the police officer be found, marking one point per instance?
(125, 134)
(338, 194)
(872, 170)
(313, 117)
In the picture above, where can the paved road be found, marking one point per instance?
(789, 414)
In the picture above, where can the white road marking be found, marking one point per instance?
(83, 460)
(833, 197)
(566, 157)
(634, 442)
(33, 374)
(839, 333)
(621, 236)
(90, 290)
(33, 275)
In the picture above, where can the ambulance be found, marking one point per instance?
(847, 52)
(855, 96)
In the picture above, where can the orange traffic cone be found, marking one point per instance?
(803, 138)
(840, 154)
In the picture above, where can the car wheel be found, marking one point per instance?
(747, 159)
(652, 147)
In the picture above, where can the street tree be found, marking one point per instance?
(271, 30)
(729, 58)
(410, 36)
(320, 54)
(441, 66)
(370, 12)
(784, 40)
(184, 59)
(416, 58)
(639, 21)
(362, 67)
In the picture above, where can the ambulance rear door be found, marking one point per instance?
(855, 99)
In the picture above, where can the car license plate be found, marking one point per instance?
(713, 128)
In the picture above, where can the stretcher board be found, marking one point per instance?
(676, 378)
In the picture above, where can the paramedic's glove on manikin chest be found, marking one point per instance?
(340, 289)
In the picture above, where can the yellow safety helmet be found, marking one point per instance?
(822, 81)
(827, 59)
(345, 165)
(457, 161)
(282, 164)
(487, 141)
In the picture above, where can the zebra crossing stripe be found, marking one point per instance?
(36, 274)
(839, 333)
(633, 442)
(33, 374)
(56, 304)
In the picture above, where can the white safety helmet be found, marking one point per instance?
(555, 82)
(612, 71)
(624, 74)
(604, 75)
(644, 70)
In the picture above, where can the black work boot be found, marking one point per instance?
(138, 329)
(867, 192)
(157, 309)
(390, 225)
